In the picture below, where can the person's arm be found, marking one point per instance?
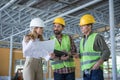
(100, 45)
(31, 48)
(26, 46)
(73, 48)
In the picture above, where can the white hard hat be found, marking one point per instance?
(36, 22)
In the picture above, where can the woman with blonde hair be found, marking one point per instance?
(33, 65)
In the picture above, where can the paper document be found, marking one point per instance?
(41, 49)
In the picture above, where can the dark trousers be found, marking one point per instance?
(68, 76)
(94, 75)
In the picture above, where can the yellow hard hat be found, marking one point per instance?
(86, 19)
(59, 20)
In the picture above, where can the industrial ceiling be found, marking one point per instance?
(15, 16)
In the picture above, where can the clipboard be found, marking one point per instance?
(60, 53)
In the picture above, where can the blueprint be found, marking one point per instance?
(39, 49)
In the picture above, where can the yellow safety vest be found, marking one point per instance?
(88, 55)
(65, 45)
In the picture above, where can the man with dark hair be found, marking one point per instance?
(63, 66)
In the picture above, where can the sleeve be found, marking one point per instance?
(73, 48)
(100, 45)
(26, 48)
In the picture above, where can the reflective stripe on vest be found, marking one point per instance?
(60, 61)
(88, 55)
(65, 45)
(90, 61)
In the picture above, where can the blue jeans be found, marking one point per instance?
(68, 76)
(94, 75)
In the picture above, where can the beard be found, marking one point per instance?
(57, 32)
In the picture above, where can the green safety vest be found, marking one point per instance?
(64, 46)
(88, 55)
